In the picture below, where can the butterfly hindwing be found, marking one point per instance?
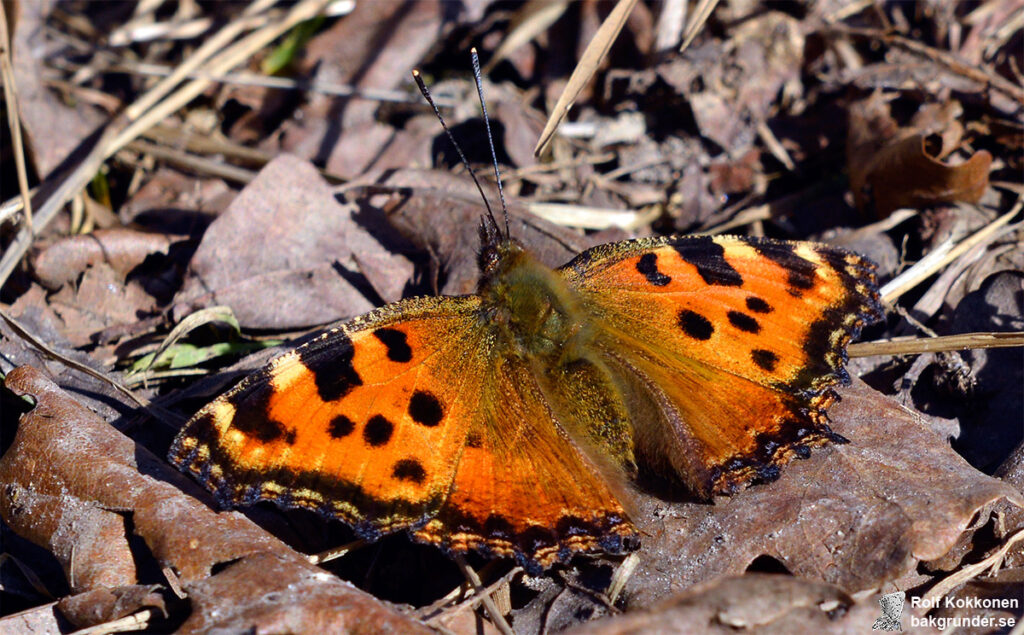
(717, 330)
(523, 487)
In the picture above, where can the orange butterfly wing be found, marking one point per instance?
(408, 417)
(738, 341)
(523, 487)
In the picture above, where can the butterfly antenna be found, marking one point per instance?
(465, 162)
(490, 137)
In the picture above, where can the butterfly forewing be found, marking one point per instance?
(365, 423)
(723, 330)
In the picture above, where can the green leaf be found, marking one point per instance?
(282, 56)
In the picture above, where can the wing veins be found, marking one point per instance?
(645, 346)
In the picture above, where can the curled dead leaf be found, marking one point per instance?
(897, 168)
(101, 605)
(123, 249)
(904, 174)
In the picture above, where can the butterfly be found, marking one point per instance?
(509, 421)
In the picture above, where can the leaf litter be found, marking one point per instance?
(820, 122)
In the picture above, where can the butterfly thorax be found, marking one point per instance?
(529, 304)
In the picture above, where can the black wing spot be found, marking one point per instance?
(252, 420)
(744, 322)
(264, 429)
(648, 265)
(425, 409)
(695, 325)
(757, 305)
(394, 340)
(765, 359)
(409, 470)
(340, 427)
(800, 272)
(378, 431)
(333, 374)
(498, 527)
(709, 259)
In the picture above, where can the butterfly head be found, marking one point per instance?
(497, 250)
(495, 246)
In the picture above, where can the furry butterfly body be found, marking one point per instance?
(509, 420)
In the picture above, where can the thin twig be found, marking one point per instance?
(940, 344)
(145, 113)
(13, 120)
(249, 19)
(969, 572)
(746, 217)
(248, 78)
(540, 168)
(70, 363)
(61, 188)
(592, 217)
(924, 268)
(585, 69)
(436, 611)
(485, 598)
(336, 552)
(696, 22)
(944, 58)
(139, 116)
(200, 165)
(622, 575)
(134, 622)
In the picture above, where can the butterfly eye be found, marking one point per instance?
(488, 259)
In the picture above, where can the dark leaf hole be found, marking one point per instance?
(767, 564)
(221, 566)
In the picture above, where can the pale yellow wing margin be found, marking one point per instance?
(365, 423)
(738, 342)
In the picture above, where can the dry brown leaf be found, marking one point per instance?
(281, 255)
(895, 168)
(41, 619)
(101, 605)
(101, 300)
(34, 313)
(374, 47)
(52, 128)
(854, 515)
(123, 249)
(991, 428)
(172, 202)
(441, 213)
(906, 175)
(750, 603)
